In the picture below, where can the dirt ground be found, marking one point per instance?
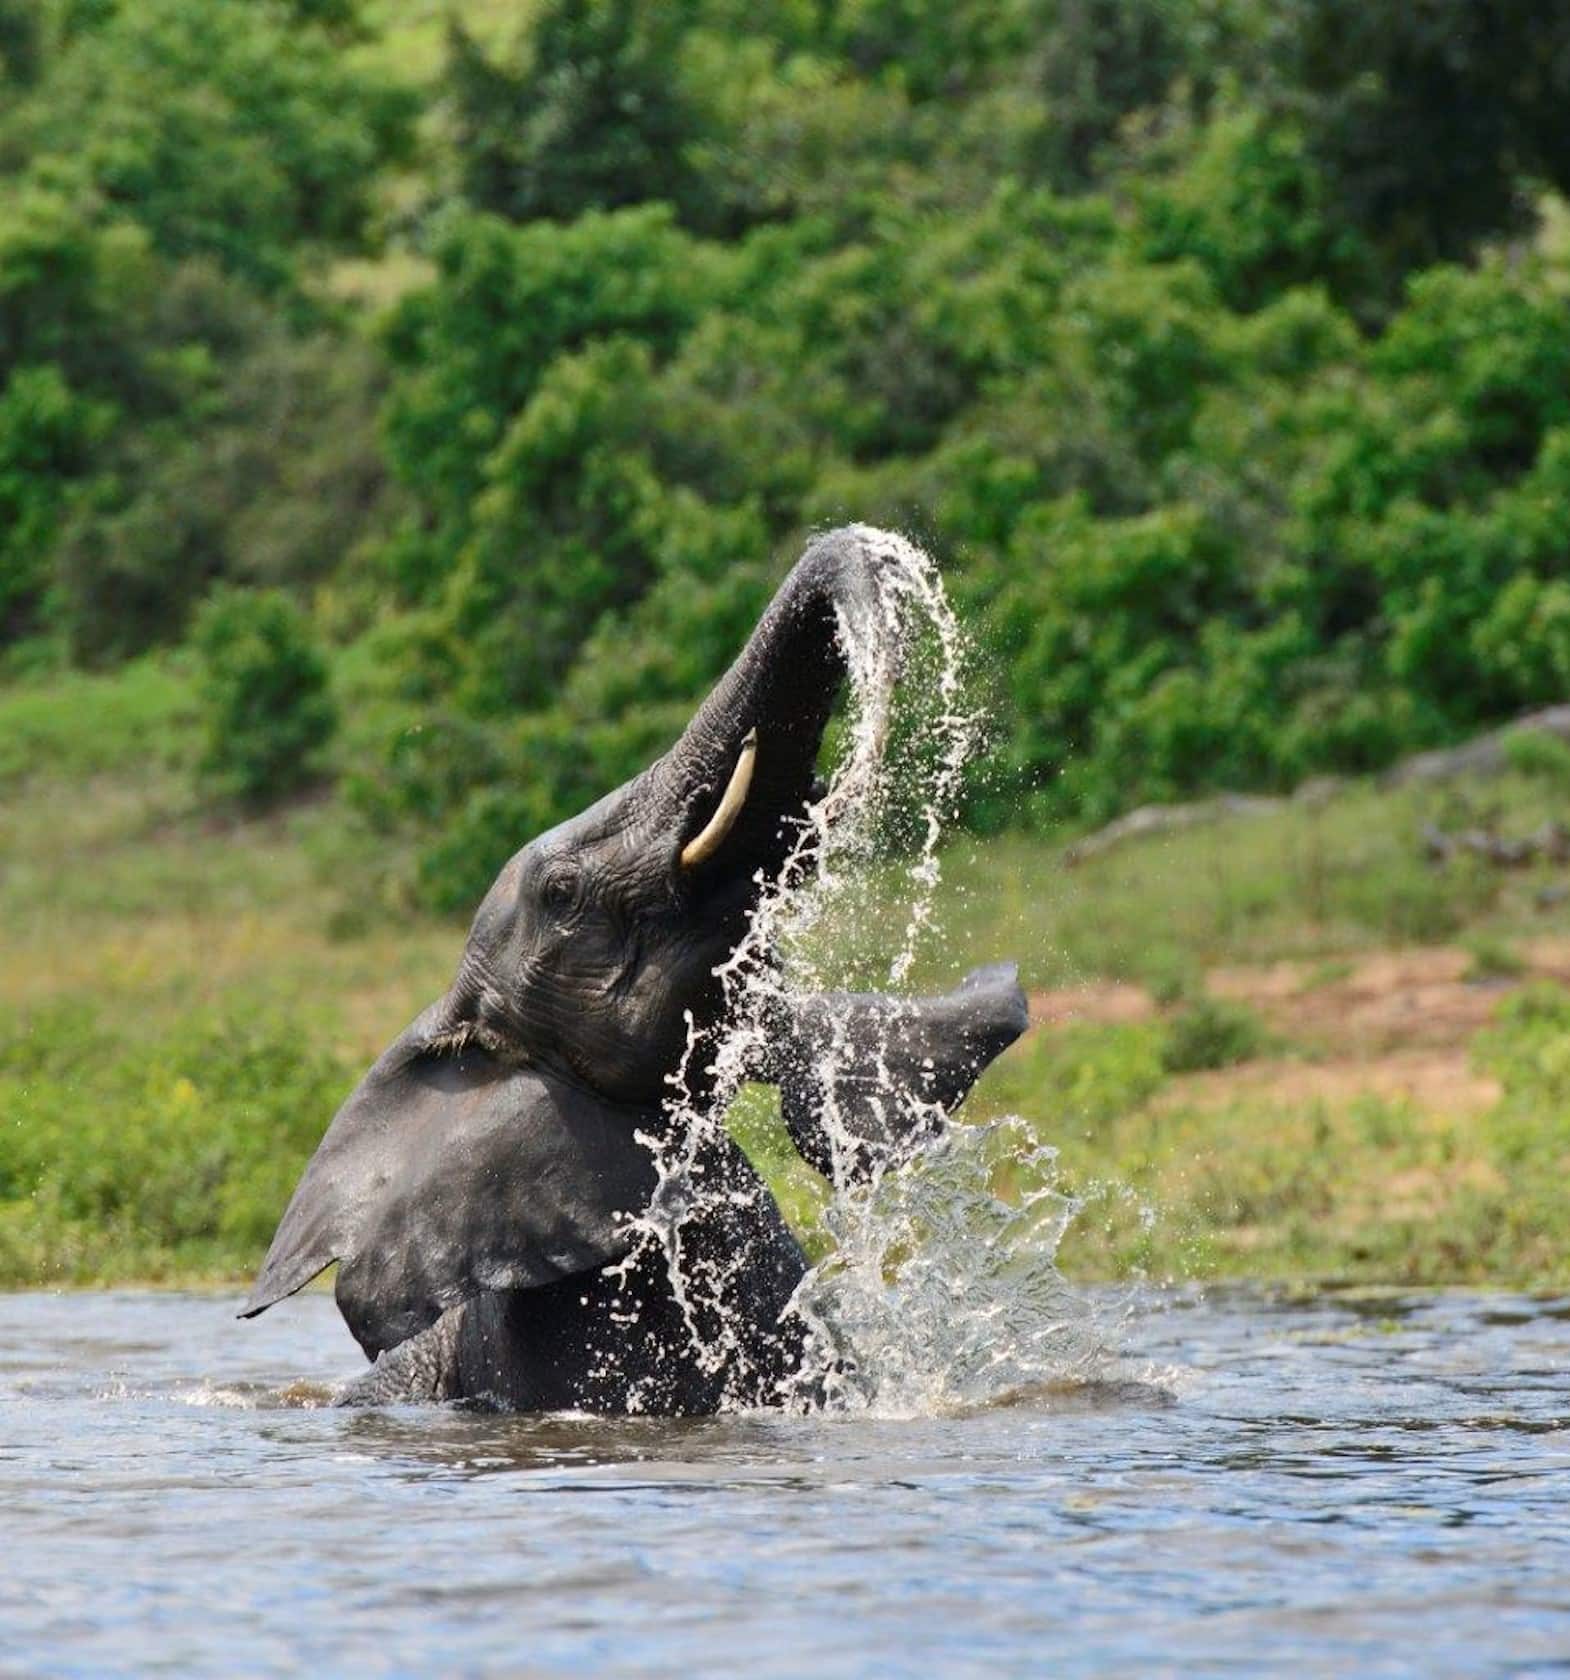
(1395, 1024)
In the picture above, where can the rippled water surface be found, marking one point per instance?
(1371, 1485)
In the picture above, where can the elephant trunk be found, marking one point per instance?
(746, 763)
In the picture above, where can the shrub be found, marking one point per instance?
(234, 132)
(263, 690)
(135, 1158)
(1170, 976)
(1491, 958)
(1212, 1033)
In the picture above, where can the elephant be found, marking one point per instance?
(487, 1188)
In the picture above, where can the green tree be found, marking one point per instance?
(47, 437)
(472, 349)
(281, 482)
(596, 116)
(228, 129)
(1430, 120)
(21, 42)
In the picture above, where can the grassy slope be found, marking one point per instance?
(182, 1002)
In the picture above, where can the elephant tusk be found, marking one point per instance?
(706, 843)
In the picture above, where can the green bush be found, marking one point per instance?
(1492, 958)
(1528, 1046)
(1170, 976)
(263, 693)
(47, 437)
(1212, 1033)
(133, 1158)
(282, 483)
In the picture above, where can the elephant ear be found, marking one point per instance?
(848, 1058)
(448, 1173)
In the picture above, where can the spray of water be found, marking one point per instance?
(942, 1288)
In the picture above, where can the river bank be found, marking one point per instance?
(1287, 1047)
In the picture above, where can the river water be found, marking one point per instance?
(1375, 1484)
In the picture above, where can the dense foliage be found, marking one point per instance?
(1216, 346)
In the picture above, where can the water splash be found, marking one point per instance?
(942, 1292)
(942, 1289)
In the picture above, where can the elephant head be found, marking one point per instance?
(599, 938)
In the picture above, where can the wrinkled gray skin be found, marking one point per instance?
(475, 1187)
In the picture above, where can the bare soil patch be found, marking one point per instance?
(1392, 1024)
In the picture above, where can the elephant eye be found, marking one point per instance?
(559, 889)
